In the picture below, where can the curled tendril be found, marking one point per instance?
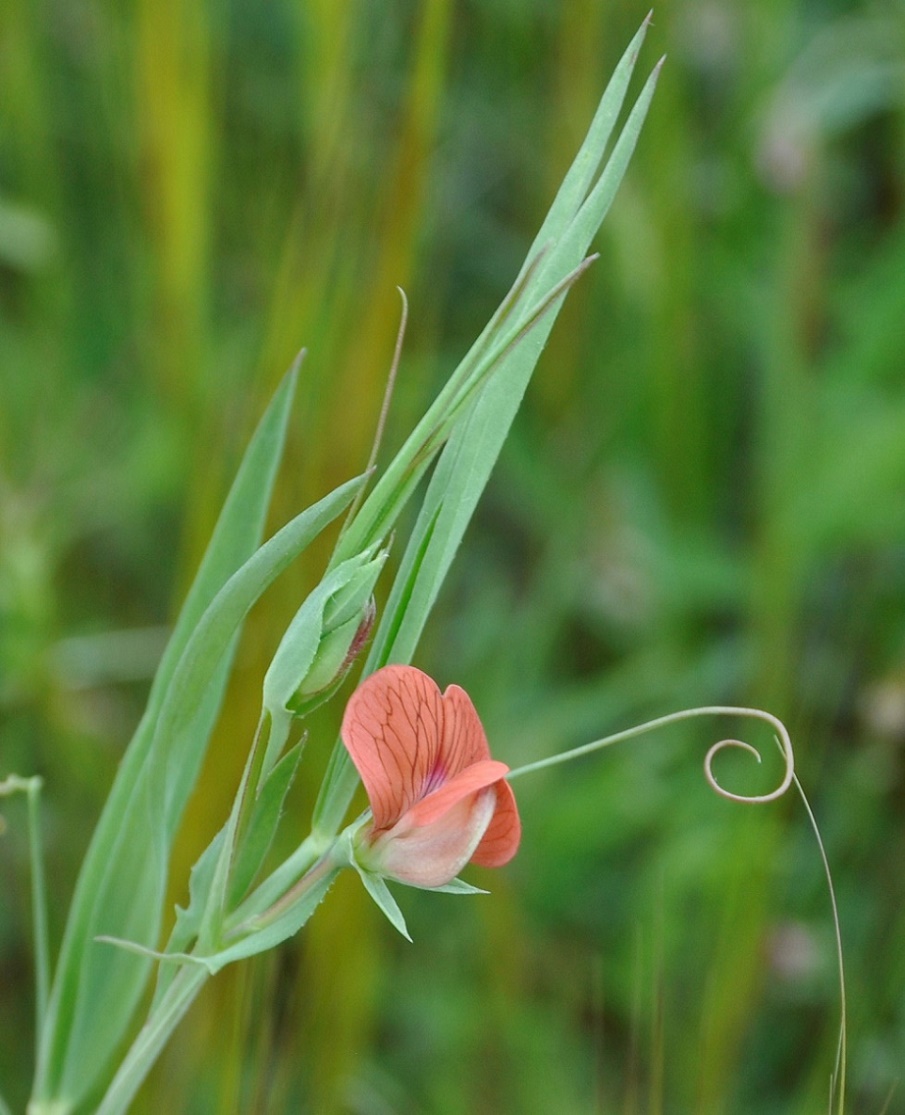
(783, 742)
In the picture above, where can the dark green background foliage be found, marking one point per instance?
(703, 500)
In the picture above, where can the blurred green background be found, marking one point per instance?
(703, 500)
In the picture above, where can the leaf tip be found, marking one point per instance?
(293, 374)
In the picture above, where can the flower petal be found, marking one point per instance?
(431, 855)
(392, 728)
(501, 840)
(470, 781)
(464, 741)
(438, 799)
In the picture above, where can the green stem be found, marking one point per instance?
(838, 1077)
(279, 881)
(151, 1039)
(31, 787)
(325, 866)
(5, 1108)
(38, 904)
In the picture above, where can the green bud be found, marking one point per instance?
(320, 644)
(337, 651)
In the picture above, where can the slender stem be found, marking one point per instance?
(279, 881)
(151, 1039)
(31, 787)
(837, 1083)
(38, 905)
(782, 740)
(838, 1077)
(326, 865)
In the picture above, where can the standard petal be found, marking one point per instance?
(432, 855)
(501, 840)
(392, 730)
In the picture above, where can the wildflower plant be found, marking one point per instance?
(438, 800)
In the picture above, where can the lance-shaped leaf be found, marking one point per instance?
(121, 887)
(262, 826)
(513, 340)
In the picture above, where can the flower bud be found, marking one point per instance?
(319, 646)
(326, 634)
(337, 650)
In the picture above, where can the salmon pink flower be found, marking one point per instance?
(438, 800)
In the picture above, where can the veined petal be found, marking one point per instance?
(392, 729)
(437, 798)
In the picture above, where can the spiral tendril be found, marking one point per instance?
(783, 742)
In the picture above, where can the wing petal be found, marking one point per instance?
(501, 840)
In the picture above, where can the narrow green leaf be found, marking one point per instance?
(396, 485)
(96, 994)
(467, 459)
(235, 538)
(262, 827)
(580, 176)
